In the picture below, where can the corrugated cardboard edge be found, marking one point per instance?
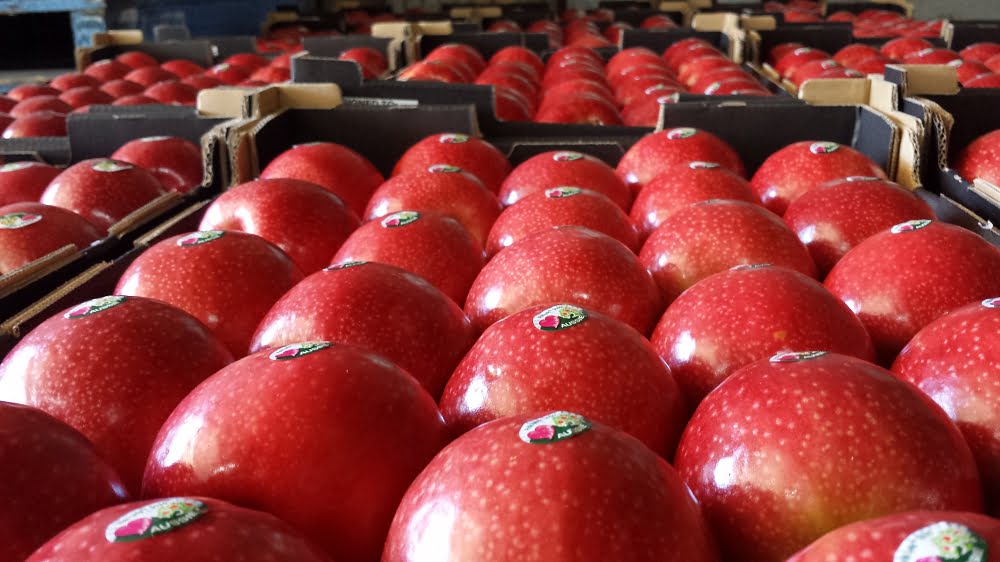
(13, 325)
(31, 272)
(104, 39)
(150, 237)
(988, 191)
(928, 79)
(727, 24)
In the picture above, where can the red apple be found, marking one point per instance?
(660, 151)
(841, 16)
(632, 57)
(692, 70)
(247, 60)
(51, 476)
(228, 73)
(564, 168)
(874, 65)
(736, 317)
(282, 61)
(685, 49)
(567, 264)
(713, 236)
(968, 71)
(645, 112)
(136, 59)
(802, 166)
(571, 54)
(86, 95)
(372, 61)
(107, 70)
(38, 124)
(511, 105)
(24, 181)
(855, 53)
(810, 70)
(138, 99)
(633, 91)
(172, 92)
(572, 71)
(457, 51)
(519, 55)
(796, 446)
(176, 163)
(432, 71)
(473, 155)
(182, 68)
(637, 507)
(102, 191)
(25, 91)
(205, 528)
(900, 280)
(793, 59)
(566, 91)
(202, 82)
(29, 231)
(113, 368)
(149, 75)
(335, 167)
(272, 75)
(682, 185)
(504, 26)
(931, 56)
(720, 75)
(898, 49)
(40, 103)
(980, 159)
(980, 52)
(839, 215)
(984, 81)
(519, 79)
(71, 80)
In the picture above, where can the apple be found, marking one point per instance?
(810, 70)
(172, 92)
(518, 55)
(373, 62)
(107, 70)
(511, 105)
(984, 81)
(645, 112)
(71, 80)
(636, 506)
(121, 88)
(791, 60)
(149, 75)
(175, 162)
(25, 91)
(968, 70)
(931, 56)
(511, 75)
(504, 26)
(874, 65)
(204, 528)
(659, 151)
(682, 185)
(247, 60)
(181, 271)
(692, 70)
(7, 103)
(566, 91)
(980, 52)
(802, 166)
(902, 279)
(473, 155)
(182, 68)
(457, 51)
(102, 191)
(252, 84)
(38, 124)
(899, 49)
(794, 446)
(581, 108)
(632, 57)
(432, 71)
(135, 100)
(29, 231)
(85, 95)
(24, 181)
(837, 216)
(51, 476)
(568, 264)
(911, 536)
(282, 61)
(686, 49)
(564, 168)
(272, 75)
(979, 159)
(202, 82)
(634, 91)
(136, 59)
(855, 53)
(335, 167)
(706, 80)
(579, 71)
(229, 74)
(713, 236)
(841, 16)
(40, 103)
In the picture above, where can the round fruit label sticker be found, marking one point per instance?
(453, 138)
(111, 166)
(560, 192)
(154, 139)
(702, 165)
(750, 266)
(156, 518)
(992, 303)
(220, 67)
(712, 88)
(944, 541)
(559, 317)
(94, 306)
(924, 52)
(824, 147)
(910, 226)
(956, 63)
(13, 221)
(796, 356)
(201, 237)
(665, 100)
(444, 169)
(681, 133)
(401, 218)
(657, 88)
(855, 179)
(344, 265)
(296, 350)
(801, 51)
(566, 156)
(557, 426)
(828, 64)
(15, 166)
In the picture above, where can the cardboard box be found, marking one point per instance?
(113, 43)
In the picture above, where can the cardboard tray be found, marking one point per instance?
(114, 43)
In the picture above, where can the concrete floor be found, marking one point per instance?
(958, 9)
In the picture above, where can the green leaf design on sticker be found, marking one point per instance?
(13, 221)
(94, 306)
(559, 317)
(200, 237)
(796, 356)
(561, 192)
(910, 226)
(554, 427)
(156, 518)
(107, 165)
(824, 147)
(453, 138)
(296, 350)
(681, 133)
(401, 218)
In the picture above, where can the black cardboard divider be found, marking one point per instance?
(225, 46)
(523, 14)
(829, 37)
(333, 46)
(486, 43)
(198, 51)
(96, 135)
(53, 150)
(965, 33)
(858, 7)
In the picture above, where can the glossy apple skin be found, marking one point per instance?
(837, 216)
(229, 74)
(683, 185)
(802, 166)
(172, 92)
(107, 70)
(519, 55)
(854, 53)
(175, 162)
(561, 207)
(336, 168)
(473, 155)
(980, 52)
(182, 68)
(788, 62)
(271, 74)
(51, 477)
(137, 99)
(638, 508)
(102, 197)
(149, 75)
(980, 159)
(899, 283)
(433, 71)
(40, 124)
(447, 190)
(569, 264)
(86, 95)
(40, 103)
(734, 318)
(463, 53)
(21, 245)
(952, 360)
(25, 91)
(271, 432)
(784, 452)
(582, 108)
(72, 80)
(114, 375)
(564, 168)
(256, 275)
(202, 82)
(931, 56)
(303, 219)
(136, 59)
(379, 307)
(248, 60)
(223, 532)
(577, 369)
(658, 152)
(22, 182)
(372, 62)
(713, 236)
(900, 48)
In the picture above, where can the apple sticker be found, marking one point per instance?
(566, 156)
(552, 428)
(801, 51)
(109, 166)
(561, 192)
(344, 265)
(559, 317)
(672, 98)
(702, 165)
(992, 303)
(712, 88)
(910, 226)
(824, 147)
(156, 518)
(94, 306)
(453, 138)
(750, 266)
(296, 350)
(444, 169)
(856, 179)
(924, 52)
(15, 166)
(400, 218)
(681, 133)
(201, 237)
(956, 63)
(13, 221)
(942, 542)
(796, 356)
(154, 139)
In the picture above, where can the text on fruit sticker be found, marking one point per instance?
(681, 133)
(992, 303)
(796, 356)
(94, 306)
(910, 226)
(559, 317)
(401, 218)
(453, 139)
(156, 518)
(200, 237)
(560, 192)
(566, 156)
(13, 221)
(554, 427)
(696, 165)
(944, 541)
(15, 166)
(750, 266)
(823, 147)
(296, 350)
(444, 169)
(111, 166)
(344, 265)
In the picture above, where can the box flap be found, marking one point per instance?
(840, 91)
(294, 96)
(715, 21)
(225, 102)
(475, 13)
(923, 79)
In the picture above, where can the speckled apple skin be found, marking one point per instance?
(303, 219)
(899, 283)
(980, 52)
(657, 152)
(25, 184)
(149, 75)
(544, 171)
(174, 161)
(980, 159)
(223, 533)
(568, 264)
(782, 453)
(839, 215)
(714, 236)
(229, 283)
(336, 168)
(114, 376)
(795, 170)
(598, 496)
(601, 368)
(50, 477)
(541, 211)
(328, 441)
(380, 307)
(878, 539)
(734, 318)
(953, 360)
(795, 58)
(475, 156)
(103, 198)
(40, 103)
(58, 227)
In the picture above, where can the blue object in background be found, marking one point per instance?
(204, 19)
